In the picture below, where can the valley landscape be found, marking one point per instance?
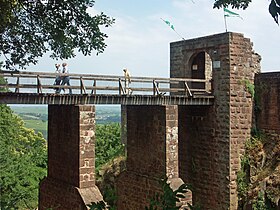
(36, 116)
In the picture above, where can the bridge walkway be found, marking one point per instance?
(39, 88)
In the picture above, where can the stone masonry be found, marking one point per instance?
(198, 145)
(267, 87)
(267, 108)
(70, 183)
(152, 154)
(211, 139)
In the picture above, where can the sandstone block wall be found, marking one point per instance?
(244, 64)
(211, 139)
(267, 87)
(70, 183)
(267, 108)
(152, 154)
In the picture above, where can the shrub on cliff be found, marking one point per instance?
(259, 177)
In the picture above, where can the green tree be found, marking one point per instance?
(108, 143)
(23, 162)
(30, 28)
(274, 6)
(2, 82)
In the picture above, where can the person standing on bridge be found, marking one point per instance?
(57, 78)
(127, 81)
(66, 78)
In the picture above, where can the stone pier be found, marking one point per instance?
(152, 154)
(70, 183)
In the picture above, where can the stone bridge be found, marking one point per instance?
(186, 134)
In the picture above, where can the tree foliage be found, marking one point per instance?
(3, 81)
(169, 199)
(108, 143)
(30, 28)
(274, 6)
(23, 162)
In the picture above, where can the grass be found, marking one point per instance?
(38, 126)
(41, 109)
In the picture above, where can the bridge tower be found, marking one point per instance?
(211, 139)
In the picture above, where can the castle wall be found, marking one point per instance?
(267, 87)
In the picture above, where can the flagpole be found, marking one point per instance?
(225, 19)
(174, 29)
(179, 34)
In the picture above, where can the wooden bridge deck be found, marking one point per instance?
(39, 88)
(45, 98)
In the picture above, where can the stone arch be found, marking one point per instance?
(200, 65)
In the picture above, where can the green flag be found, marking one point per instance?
(228, 13)
(169, 24)
(172, 27)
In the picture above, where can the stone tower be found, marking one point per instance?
(211, 139)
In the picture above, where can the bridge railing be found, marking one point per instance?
(42, 82)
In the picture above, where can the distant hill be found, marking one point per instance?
(36, 116)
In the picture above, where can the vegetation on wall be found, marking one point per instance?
(248, 86)
(259, 177)
(169, 199)
(106, 181)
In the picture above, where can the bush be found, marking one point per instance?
(108, 143)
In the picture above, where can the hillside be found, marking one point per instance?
(36, 116)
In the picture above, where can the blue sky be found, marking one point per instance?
(139, 40)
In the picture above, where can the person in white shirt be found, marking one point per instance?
(127, 81)
(66, 78)
(57, 78)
